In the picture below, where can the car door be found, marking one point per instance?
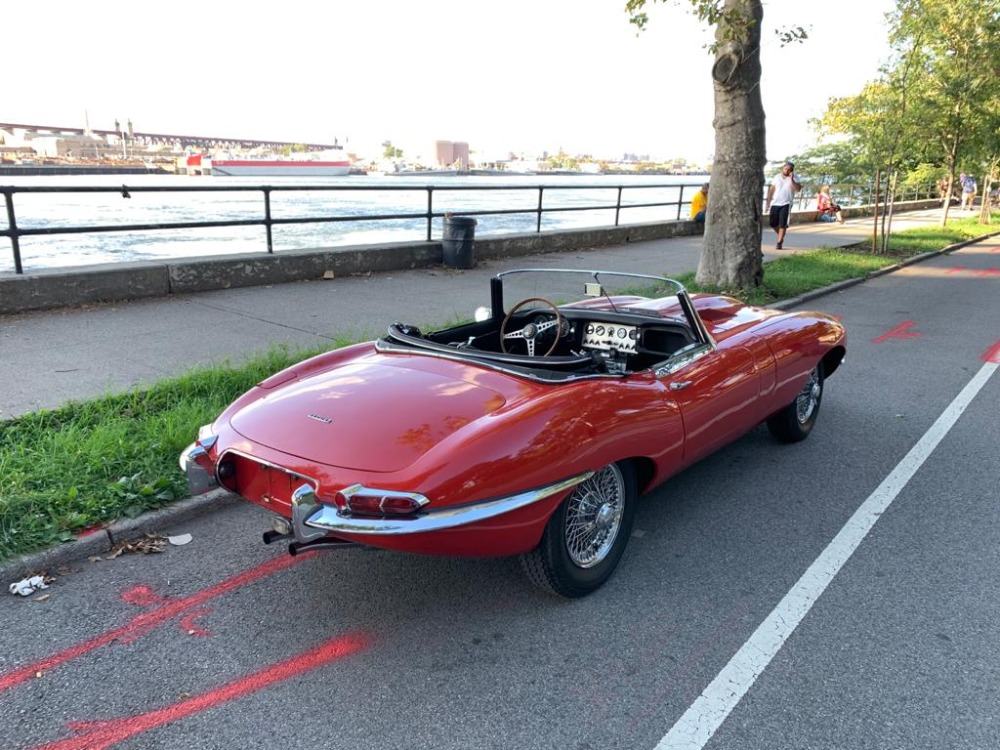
(718, 391)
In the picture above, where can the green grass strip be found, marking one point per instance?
(793, 275)
(91, 462)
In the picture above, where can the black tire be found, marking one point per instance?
(795, 421)
(586, 535)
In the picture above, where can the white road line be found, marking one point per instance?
(704, 717)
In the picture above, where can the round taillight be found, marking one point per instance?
(340, 501)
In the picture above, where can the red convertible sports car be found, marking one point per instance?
(531, 431)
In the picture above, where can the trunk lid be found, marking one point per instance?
(366, 415)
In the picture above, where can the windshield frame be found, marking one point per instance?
(498, 301)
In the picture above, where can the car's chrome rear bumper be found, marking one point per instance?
(199, 478)
(312, 518)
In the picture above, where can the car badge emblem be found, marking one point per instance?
(320, 418)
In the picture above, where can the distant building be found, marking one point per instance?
(452, 154)
(71, 146)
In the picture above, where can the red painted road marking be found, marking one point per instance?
(98, 735)
(899, 332)
(142, 624)
(989, 272)
(956, 269)
(143, 596)
(189, 626)
(992, 354)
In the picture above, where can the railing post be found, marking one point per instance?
(430, 211)
(680, 203)
(538, 221)
(267, 218)
(12, 225)
(618, 204)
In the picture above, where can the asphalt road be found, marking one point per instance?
(227, 643)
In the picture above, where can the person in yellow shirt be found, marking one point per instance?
(700, 203)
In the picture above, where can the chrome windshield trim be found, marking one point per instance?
(692, 314)
(312, 519)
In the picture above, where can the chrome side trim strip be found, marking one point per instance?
(312, 519)
(683, 359)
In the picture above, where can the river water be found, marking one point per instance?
(450, 194)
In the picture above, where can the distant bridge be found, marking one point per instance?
(185, 141)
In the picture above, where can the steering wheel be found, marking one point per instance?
(531, 330)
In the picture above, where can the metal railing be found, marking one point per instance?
(861, 194)
(14, 232)
(846, 195)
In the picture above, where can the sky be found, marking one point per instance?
(510, 76)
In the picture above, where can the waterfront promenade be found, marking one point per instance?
(49, 358)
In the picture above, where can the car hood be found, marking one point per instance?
(365, 415)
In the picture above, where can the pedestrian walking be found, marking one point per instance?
(780, 194)
(969, 188)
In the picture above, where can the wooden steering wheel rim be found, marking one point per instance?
(518, 306)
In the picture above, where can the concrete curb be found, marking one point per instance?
(105, 539)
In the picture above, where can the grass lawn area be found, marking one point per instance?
(797, 274)
(88, 463)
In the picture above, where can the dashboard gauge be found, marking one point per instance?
(621, 339)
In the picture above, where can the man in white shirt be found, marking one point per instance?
(780, 194)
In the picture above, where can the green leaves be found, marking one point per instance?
(136, 495)
(938, 98)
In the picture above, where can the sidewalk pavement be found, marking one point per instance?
(49, 358)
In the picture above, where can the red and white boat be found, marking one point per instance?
(330, 163)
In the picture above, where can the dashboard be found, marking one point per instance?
(608, 336)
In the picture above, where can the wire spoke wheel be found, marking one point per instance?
(594, 516)
(808, 399)
(586, 535)
(795, 421)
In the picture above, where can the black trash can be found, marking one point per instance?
(459, 241)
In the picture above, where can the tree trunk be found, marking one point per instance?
(731, 256)
(986, 207)
(875, 200)
(951, 157)
(890, 204)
